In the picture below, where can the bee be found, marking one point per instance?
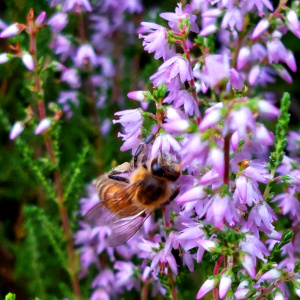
(127, 201)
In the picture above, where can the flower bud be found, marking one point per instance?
(225, 284)
(17, 128)
(267, 109)
(10, 31)
(209, 246)
(3, 58)
(137, 95)
(260, 28)
(248, 264)
(28, 61)
(243, 57)
(42, 126)
(270, 275)
(40, 19)
(207, 286)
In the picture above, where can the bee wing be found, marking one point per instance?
(100, 215)
(123, 229)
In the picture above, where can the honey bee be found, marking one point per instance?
(126, 202)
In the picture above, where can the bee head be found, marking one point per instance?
(164, 166)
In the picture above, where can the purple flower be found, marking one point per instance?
(207, 286)
(270, 275)
(243, 57)
(176, 121)
(130, 119)
(290, 61)
(16, 130)
(77, 5)
(239, 120)
(225, 284)
(10, 31)
(249, 264)
(293, 23)
(208, 245)
(284, 74)
(184, 98)
(267, 109)
(85, 55)
(28, 61)
(242, 290)
(289, 203)
(193, 194)
(293, 142)
(236, 80)
(125, 275)
(164, 142)
(40, 20)
(180, 15)
(262, 26)
(212, 117)
(258, 52)
(63, 47)
(156, 41)
(208, 30)
(174, 66)
(71, 77)
(217, 158)
(233, 18)
(58, 22)
(43, 125)
(276, 51)
(137, 95)
(216, 69)
(260, 4)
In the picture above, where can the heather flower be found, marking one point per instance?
(233, 18)
(225, 284)
(267, 109)
(207, 286)
(85, 55)
(236, 80)
(156, 41)
(176, 18)
(240, 120)
(263, 135)
(185, 99)
(208, 30)
(258, 52)
(193, 194)
(284, 74)
(10, 31)
(262, 26)
(58, 22)
(293, 23)
(249, 264)
(4, 58)
(260, 4)
(71, 77)
(242, 290)
(216, 69)
(125, 275)
(243, 57)
(40, 20)
(137, 95)
(77, 5)
(212, 117)
(174, 66)
(164, 143)
(43, 125)
(208, 245)
(176, 121)
(255, 247)
(130, 119)
(293, 145)
(28, 61)
(62, 46)
(269, 275)
(16, 130)
(276, 51)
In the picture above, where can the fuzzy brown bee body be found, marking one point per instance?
(127, 202)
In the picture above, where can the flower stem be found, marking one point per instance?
(145, 290)
(57, 176)
(172, 285)
(216, 272)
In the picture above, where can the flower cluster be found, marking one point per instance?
(225, 207)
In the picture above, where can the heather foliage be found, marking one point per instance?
(206, 79)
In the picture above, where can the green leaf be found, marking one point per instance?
(281, 131)
(10, 296)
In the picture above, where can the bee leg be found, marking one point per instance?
(141, 148)
(121, 169)
(172, 197)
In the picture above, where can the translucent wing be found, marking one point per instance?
(118, 206)
(124, 229)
